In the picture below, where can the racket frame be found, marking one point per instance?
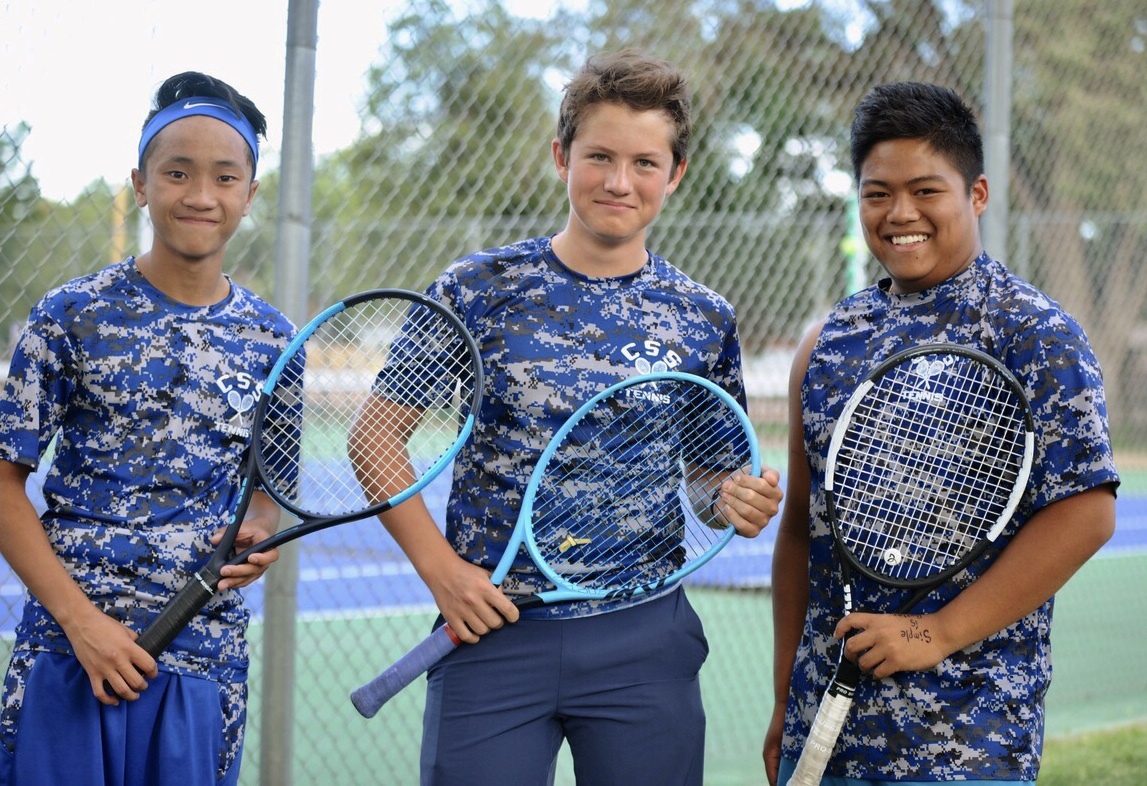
(369, 698)
(565, 590)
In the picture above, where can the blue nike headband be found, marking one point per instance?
(209, 107)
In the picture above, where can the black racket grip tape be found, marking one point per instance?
(180, 610)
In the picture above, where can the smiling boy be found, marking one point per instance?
(133, 371)
(558, 319)
(965, 702)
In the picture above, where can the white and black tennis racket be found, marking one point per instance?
(925, 468)
(384, 345)
(622, 502)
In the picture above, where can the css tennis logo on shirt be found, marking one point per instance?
(650, 356)
(239, 392)
(922, 385)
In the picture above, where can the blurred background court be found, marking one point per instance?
(405, 133)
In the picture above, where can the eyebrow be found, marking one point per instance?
(913, 182)
(188, 161)
(604, 148)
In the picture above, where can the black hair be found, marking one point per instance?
(918, 110)
(194, 84)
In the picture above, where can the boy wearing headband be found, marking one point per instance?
(142, 373)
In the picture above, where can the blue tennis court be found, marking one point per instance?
(358, 569)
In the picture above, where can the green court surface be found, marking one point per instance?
(1098, 640)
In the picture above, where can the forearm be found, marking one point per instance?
(790, 605)
(25, 546)
(264, 510)
(1044, 554)
(416, 533)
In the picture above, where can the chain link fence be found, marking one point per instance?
(457, 112)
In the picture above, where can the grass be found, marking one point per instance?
(1117, 757)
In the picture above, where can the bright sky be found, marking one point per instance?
(82, 74)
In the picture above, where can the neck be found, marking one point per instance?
(598, 259)
(193, 283)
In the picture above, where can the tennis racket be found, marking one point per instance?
(402, 357)
(622, 502)
(925, 467)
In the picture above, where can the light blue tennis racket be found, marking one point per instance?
(622, 502)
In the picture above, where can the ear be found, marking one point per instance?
(250, 197)
(139, 187)
(980, 195)
(560, 161)
(676, 179)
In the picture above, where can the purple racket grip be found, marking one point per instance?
(369, 698)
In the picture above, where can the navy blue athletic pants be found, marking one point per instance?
(622, 688)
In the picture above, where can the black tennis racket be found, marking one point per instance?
(402, 357)
(622, 502)
(924, 470)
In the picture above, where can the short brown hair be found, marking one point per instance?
(636, 80)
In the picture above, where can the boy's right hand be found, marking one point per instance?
(106, 648)
(469, 602)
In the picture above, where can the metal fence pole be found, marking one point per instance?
(997, 125)
(292, 257)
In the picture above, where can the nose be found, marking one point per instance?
(199, 194)
(618, 181)
(903, 210)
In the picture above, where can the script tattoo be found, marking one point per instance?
(914, 632)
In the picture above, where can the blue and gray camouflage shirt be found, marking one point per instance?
(550, 339)
(979, 714)
(149, 401)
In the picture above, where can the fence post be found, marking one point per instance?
(997, 125)
(292, 259)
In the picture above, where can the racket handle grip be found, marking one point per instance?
(830, 718)
(369, 698)
(179, 611)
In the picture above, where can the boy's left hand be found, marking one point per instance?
(252, 531)
(749, 502)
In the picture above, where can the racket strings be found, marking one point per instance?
(626, 500)
(401, 357)
(927, 466)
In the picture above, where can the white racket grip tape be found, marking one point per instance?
(830, 718)
(369, 698)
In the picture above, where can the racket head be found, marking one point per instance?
(621, 501)
(927, 463)
(389, 343)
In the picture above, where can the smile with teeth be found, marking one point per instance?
(904, 240)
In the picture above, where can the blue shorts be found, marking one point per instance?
(788, 765)
(622, 688)
(171, 736)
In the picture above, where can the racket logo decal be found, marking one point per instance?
(571, 542)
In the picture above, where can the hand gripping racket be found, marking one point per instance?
(622, 502)
(384, 345)
(925, 467)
